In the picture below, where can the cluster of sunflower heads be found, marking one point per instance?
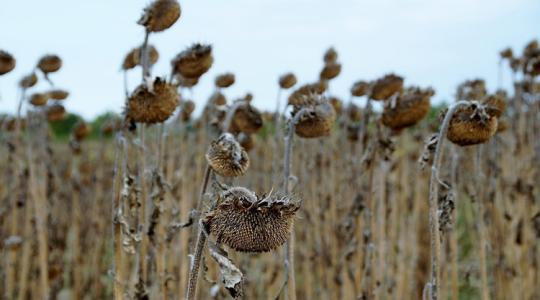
(472, 90)
(49, 101)
(9, 123)
(317, 116)
(248, 222)
(528, 63)
(407, 109)
(154, 105)
(226, 156)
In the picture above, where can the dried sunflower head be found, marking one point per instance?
(507, 53)
(337, 104)
(111, 125)
(246, 141)
(28, 81)
(39, 99)
(145, 106)
(10, 123)
(80, 131)
(226, 157)
(287, 80)
(299, 95)
(471, 125)
(530, 48)
(249, 223)
(50, 63)
(187, 109)
(317, 119)
(383, 88)
(495, 105)
(360, 88)
(217, 98)
(472, 90)
(55, 112)
(186, 82)
(160, 15)
(515, 64)
(330, 56)
(194, 61)
(247, 119)
(7, 62)
(330, 71)
(58, 94)
(225, 80)
(133, 58)
(354, 112)
(407, 109)
(531, 64)
(248, 97)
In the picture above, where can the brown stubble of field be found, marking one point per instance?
(326, 201)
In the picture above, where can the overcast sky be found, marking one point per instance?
(436, 43)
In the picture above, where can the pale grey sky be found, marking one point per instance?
(431, 42)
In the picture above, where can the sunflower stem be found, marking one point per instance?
(290, 283)
(435, 241)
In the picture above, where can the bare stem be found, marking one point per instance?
(199, 246)
(144, 57)
(289, 249)
(433, 201)
(118, 286)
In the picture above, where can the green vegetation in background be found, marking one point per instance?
(62, 129)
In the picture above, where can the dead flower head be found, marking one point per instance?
(225, 80)
(287, 80)
(133, 58)
(55, 112)
(50, 63)
(58, 94)
(39, 99)
(360, 88)
(226, 157)
(472, 125)
(146, 106)
(28, 81)
(7, 62)
(247, 222)
(330, 71)
(299, 95)
(407, 109)
(160, 15)
(194, 61)
(383, 88)
(317, 119)
(247, 119)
